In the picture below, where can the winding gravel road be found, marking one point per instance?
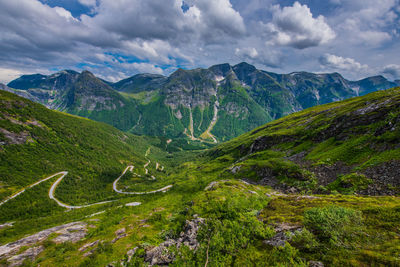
(53, 189)
(64, 173)
(130, 168)
(32, 185)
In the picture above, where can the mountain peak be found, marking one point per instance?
(27, 81)
(221, 69)
(87, 73)
(245, 66)
(140, 82)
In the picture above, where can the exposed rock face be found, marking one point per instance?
(120, 233)
(284, 232)
(190, 88)
(385, 177)
(85, 248)
(160, 254)
(130, 253)
(71, 232)
(141, 82)
(30, 253)
(315, 264)
(5, 225)
(14, 138)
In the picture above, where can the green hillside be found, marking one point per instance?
(37, 142)
(348, 146)
(319, 186)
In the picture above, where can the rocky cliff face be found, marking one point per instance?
(190, 88)
(90, 94)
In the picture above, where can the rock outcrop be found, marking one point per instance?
(161, 255)
(71, 232)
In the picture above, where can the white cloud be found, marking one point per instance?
(89, 3)
(367, 22)
(64, 13)
(219, 19)
(374, 37)
(205, 20)
(147, 68)
(295, 26)
(246, 52)
(392, 70)
(342, 63)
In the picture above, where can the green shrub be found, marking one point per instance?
(359, 181)
(304, 240)
(350, 183)
(333, 224)
(284, 256)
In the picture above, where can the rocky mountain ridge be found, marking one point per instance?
(211, 105)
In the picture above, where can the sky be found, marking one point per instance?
(116, 39)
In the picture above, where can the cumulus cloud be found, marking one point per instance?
(392, 70)
(246, 52)
(89, 3)
(341, 63)
(166, 20)
(295, 26)
(219, 19)
(257, 55)
(364, 22)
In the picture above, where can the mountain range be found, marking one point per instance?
(208, 105)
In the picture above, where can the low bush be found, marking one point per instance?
(332, 224)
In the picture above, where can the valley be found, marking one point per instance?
(238, 198)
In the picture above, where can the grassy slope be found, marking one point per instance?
(59, 142)
(239, 216)
(360, 133)
(93, 153)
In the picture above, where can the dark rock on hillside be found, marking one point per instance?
(315, 264)
(141, 82)
(284, 233)
(383, 175)
(221, 70)
(161, 256)
(26, 82)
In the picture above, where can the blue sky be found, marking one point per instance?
(119, 38)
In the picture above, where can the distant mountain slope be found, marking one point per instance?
(81, 94)
(36, 142)
(213, 105)
(351, 146)
(140, 82)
